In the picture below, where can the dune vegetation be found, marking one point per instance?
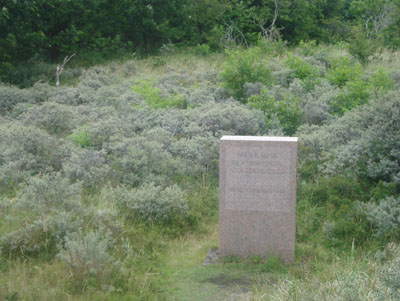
(109, 182)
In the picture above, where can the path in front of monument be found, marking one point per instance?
(231, 279)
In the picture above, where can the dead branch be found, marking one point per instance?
(269, 33)
(377, 21)
(60, 68)
(233, 37)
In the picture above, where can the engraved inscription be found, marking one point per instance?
(256, 161)
(244, 198)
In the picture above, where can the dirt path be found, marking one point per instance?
(189, 279)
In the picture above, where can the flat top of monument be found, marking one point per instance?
(259, 138)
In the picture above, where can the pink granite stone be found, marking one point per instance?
(257, 196)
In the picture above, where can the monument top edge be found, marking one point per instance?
(259, 138)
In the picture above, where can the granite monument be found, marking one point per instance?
(257, 196)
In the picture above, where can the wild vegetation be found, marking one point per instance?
(97, 30)
(109, 182)
(109, 177)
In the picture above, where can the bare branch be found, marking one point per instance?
(60, 68)
(269, 33)
(233, 37)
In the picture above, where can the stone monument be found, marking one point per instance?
(257, 196)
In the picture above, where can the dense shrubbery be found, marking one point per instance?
(120, 153)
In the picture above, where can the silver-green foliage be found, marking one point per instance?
(45, 210)
(11, 96)
(24, 151)
(385, 216)
(88, 253)
(151, 202)
(40, 234)
(365, 140)
(53, 117)
(49, 193)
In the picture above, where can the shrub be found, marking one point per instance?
(287, 110)
(11, 96)
(153, 97)
(355, 93)
(153, 203)
(381, 80)
(87, 166)
(40, 235)
(201, 49)
(230, 118)
(364, 141)
(48, 193)
(243, 67)
(307, 73)
(96, 133)
(385, 216)
(137, 160)
(303, 69)
(26, 150)
(362, 47)
(53, 117)
(316, 104)
(343, 70)
(88, 255)
(81, 138)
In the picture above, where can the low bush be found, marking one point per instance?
(26, 150)
(87, 166)
(364, 141)
(154, 99)
(38, 236)
(54, 118)
(307, 73)
(243, 67)
(287, 110)
(385, 216)
(89, 258)
(152, 203)
(343, 70)
(49, 193)
(11, 96)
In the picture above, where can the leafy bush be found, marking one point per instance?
(86, 166)
(303, 69)
(26, 150)
(385, 216)
(362, 47)
(363, 141)
(381, 80)
(355, 93)
(11, 96)
(153, 97)
(39, 236)
(243, 67)
(201, 49)
(152, 203)
(308, 73)
(287, 110)
(88, 254)
(343, 70)
(49, 193)
(53, 117)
